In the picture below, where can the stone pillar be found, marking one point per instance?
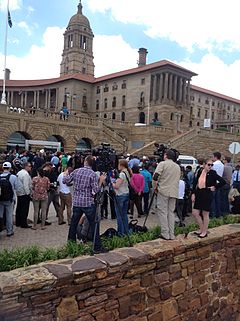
(155, 88)
(175, 88)
(37, 103)
(25, 99)
(8, 96)
(46, 99)
(22, 97)
(160, 87)
(184, 91)
(180, 89)
(34, 99)
(49, 98)
(170, 86)
(165, 93)
(188, 92)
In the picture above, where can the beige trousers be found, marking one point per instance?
(165, 211)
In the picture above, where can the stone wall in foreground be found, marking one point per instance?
(185, 279)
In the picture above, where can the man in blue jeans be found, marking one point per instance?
(86, 185)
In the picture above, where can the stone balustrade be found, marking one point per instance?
(183, 280)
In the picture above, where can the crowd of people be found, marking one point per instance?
(71, 181)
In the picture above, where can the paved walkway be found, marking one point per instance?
(55, 235)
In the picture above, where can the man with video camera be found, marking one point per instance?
(86, 185)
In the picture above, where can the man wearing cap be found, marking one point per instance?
(7, 206)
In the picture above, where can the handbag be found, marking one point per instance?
(132, 192)
(135, 228)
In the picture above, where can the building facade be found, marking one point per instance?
(159, 93)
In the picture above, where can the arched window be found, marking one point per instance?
(105, 116)
(84, 101)
(198, 124)
(114, 102)
(142, 98)
(155, 116)
(190, 123)
(172, 116)
(123, 116)
(113, 116)
(181, 118)
(97, 116)
(123, 100)
(105, 103)
(97, 104)
(142, 118)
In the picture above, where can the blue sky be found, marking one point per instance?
(200, 35)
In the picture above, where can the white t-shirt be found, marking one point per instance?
(218, 167)
(123, 188)
(63, 188)
(181, 191)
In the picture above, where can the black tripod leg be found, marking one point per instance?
(149, 208)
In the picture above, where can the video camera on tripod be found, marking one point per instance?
(161, 150)
(106, 158)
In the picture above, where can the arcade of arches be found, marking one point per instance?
(17, 141)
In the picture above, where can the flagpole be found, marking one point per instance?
(3, 100)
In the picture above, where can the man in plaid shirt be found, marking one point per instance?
(86, 184)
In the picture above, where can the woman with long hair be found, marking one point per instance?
(40, 187)
(205, 183)
(122, 196)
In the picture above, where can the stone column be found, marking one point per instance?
(37, 102)
(25, 100)
(34, 99)
(180, 89)
(154, 88)
(175, 88)
(46, 99)
(184, 91)
(170, 86)
(165, 93)
(188, 92)
(49, 98)
(22, 97)
(160, 87)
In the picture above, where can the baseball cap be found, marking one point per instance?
(7, 165)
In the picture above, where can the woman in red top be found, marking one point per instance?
(137, 183)
(40, 187)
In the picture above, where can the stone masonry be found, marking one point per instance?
(181, 280)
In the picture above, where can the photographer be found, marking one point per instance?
(86, 185)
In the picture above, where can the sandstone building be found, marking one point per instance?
(159, 93)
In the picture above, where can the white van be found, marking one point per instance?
(188, 160)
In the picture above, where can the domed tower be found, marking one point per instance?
(77, 54)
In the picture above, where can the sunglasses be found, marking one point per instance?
(209, 164)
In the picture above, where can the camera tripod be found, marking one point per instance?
(99, 202)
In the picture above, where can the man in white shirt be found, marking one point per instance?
(23, 195)
(65, 199)
(219, 168)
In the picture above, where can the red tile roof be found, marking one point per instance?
(91, 79)
(147, 67)
(43, 82)
(213, 93)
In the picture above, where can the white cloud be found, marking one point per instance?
(41, 62)
(30, 9)
(23, 25)
(13, 5)
(203, 24)
(112, 54)
(214, 74)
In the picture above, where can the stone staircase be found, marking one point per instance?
(179, 140)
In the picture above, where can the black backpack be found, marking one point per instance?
(6, 190)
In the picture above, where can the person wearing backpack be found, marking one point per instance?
(8, 186)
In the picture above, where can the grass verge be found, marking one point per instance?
(22, 257)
